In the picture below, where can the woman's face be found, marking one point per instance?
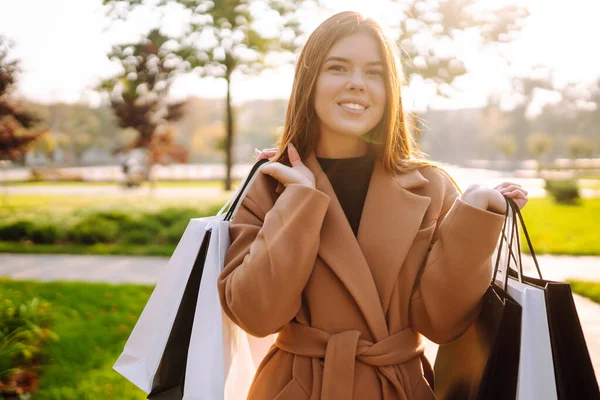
(350, 93)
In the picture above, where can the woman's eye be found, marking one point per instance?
(375, 72)
(337, 68)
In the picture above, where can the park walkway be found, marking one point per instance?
(147, 270)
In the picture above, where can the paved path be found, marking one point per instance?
(147, 270)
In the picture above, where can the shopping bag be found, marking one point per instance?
(536, 367)
(572, 365)
(536, 379)
(483, 363)
(169, 354)
(145, 346)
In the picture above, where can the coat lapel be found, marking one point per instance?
(391, 218)
(341, 252)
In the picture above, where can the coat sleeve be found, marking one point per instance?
(274, 245)
(458, 268)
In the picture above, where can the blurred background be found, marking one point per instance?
(121, 120)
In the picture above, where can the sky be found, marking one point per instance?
(62, 46)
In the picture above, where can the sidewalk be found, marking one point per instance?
(147, 270)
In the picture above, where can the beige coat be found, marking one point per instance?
(350, 311)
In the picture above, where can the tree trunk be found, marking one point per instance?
(229, 137)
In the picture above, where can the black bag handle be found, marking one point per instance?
(504, 239)
(516, 222)
(241, 193)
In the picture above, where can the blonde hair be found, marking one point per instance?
(393, 143)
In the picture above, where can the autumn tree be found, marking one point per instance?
(16, 123)
(138, 96)
(220, 39)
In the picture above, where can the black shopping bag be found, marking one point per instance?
(483, 363)
(573, 368)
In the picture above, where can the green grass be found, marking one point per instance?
(591, 290)
(563, 229)
(160, 184)
(99, 248)
(93, 321)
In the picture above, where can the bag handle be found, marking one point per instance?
(521, 222)
(234, 203)
(504, 239)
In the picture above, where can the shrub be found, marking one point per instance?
(173, 233)
(22, 331)
(563, 191)
(138, 237)
(143, 223)
(44, 233)
(16, 231)
(120, 217)
(170, 216)
(94, 230)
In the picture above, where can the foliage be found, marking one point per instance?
(15, 122)
(93, 230)
(138, 94)
(539, 144)
(97, 230)
(23, 329)
(580, 147)
(563, 191)
(93, 322)
(220, 39)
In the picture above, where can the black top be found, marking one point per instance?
(350, 179)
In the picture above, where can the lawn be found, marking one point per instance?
(160, 184)
(93, 321)
(590, 290)
(563, 229)
(554, 228)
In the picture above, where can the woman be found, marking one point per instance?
(348, 246)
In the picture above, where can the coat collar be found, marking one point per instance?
(368, 265)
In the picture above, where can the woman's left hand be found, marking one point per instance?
(514, 192)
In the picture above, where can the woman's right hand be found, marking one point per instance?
(297, 173)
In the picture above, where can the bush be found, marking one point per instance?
(44, 234)
(170, 216)
(22, 331)
(94, 230)
(117, 216)
(138, 237)
(17, 231)
(143, 223)
(173, 234)
(564, 191)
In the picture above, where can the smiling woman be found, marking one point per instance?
(348, 245)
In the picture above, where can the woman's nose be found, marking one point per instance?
(356, 81)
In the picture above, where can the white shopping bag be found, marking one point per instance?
(222, 358)
(220, 363)
(536, 367)
(143, 350)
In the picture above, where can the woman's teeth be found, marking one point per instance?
(353, 106)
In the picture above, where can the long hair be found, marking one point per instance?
(393, 143)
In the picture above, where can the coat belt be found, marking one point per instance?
(341, 350)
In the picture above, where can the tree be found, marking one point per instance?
(580, 147)
(428, 29)
(138, 96)
(15, 122)
(220, 39)
(539, 144)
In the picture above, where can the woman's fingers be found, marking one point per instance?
(294, 156)
(506, 184)
(282, 173)
(265, 153)
(512, 188)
